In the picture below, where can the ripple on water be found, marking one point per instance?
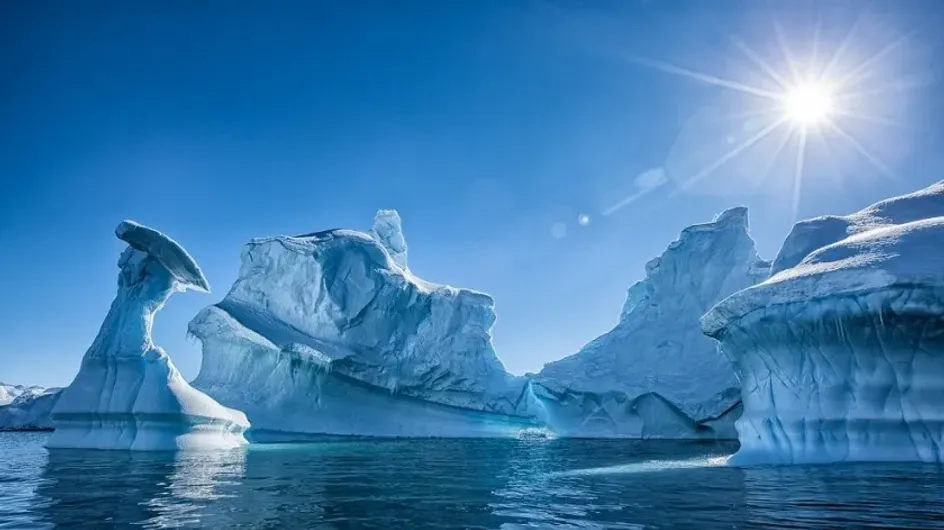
(454, 484)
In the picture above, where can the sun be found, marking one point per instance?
(818, 98)
(807, 104)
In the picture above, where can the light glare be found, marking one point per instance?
(808, 104)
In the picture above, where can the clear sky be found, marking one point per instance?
(490, 125)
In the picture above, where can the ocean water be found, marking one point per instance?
(454, 484)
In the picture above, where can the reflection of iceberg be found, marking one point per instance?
(152, 489)
(195, 489)
(128, 394)
(854, 495)
(77, 484)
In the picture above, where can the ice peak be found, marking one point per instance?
(738, 215)
(388, 231)
(166, 251)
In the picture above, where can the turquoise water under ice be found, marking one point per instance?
(455, 484)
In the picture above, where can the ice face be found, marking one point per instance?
(841, 351)
(655, 374)
(328, 334)
(128, 394)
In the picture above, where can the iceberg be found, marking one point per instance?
(330, 333)
(840, 352)
(655, 375)
(128, 394)
(27, 408)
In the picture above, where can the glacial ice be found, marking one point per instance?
(841, 351)
(331, 334)
(655, 374)
(128, 394)
(25, 408)
(9, 392)
(388, 231)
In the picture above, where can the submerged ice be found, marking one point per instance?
(128, 394)
(655, 374)
(841, 351)
(331, 334)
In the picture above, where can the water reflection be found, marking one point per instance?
(553, 487)
(450, 484)
(86, 489)
(196, 488)
(846, 495)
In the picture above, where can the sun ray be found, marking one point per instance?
(836, 175)
(705, 78)
(759, 62)
(863, 151)
(753, 113)
(626, 201)
(798, 174)
(814, 53)
(878, 120)
(728, 156)
(787, 134)
(834, 61)
(897, 86)
(855, 74)
(787, 55)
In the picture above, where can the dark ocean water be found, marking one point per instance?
(456, 484)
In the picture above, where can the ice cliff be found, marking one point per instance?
(331, 334)
(25, 408)
(841, 351)
(128, 394)
(655, 374)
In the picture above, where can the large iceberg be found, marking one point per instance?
(841, 351)
(26, 408)
(655, 374)
(330, 333)
(128, 394)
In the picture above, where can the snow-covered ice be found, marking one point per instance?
(330, 333)
(9, 392)
(128, 394)
(27, 408)
(655, 374)
(841, 351)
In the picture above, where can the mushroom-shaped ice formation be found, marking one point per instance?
(165, 250)
(128, 394)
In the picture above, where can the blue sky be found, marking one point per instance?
(486, 124)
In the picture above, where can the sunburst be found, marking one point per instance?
(804, 104)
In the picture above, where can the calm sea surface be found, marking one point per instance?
(416, 484)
